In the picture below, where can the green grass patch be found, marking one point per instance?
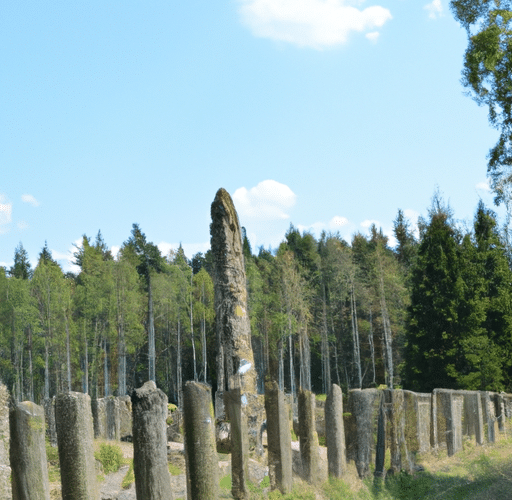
(174, 470)
(52, 457)
(129, 478)
(321, 397)
(110, 456)
(225, 482)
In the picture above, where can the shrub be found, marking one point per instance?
(110, 456)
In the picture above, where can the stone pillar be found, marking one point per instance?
(28, 453)
(113, 419)
(239, 442)
(473, 417)
(364, 406)
(499, 410)
(232, 321)
(380, 450)
(125, 416)
(75, 439)
(308, 437)
(394, 404)
(417, 412)
(5, 467)
(334, 432)
(152, 479)
(450, 405)
(99, 416)
(488, 416)
(49, 416)
(279, 439)
(200, 449)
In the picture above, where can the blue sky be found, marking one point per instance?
(326, 114)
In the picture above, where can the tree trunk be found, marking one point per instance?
(68, 353)
(372, 347)
(192, 331)
(179, 378)
(151, 333)
(355, 337)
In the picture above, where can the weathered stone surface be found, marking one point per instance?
(28, 453)
(235, 407)
(200, 450)
(235, 353)
(473, 424)
(5, 467)
(75, 439)
(334, 432)
(125, 416)
(393, 400)
(488, 415)
(417, 413)
(279, 439)
(449, 412)
(152, 479)
(308, 437)
(364, 406)
(99, 415)
(113, 419)
(499, 410)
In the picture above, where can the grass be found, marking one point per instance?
(110, 456)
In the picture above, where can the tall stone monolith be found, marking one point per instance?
(234, 347)
(334, 432)
(279, 439)
(200, 446)
(364, 406)
(152, 479)
(5, 466)
(449, 409)
(75, 437)
(113, 419)
(308, 438)
(28, 453)
(235, 409)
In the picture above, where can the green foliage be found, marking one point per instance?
(487, 74)
(129, 478)
(225, 482)
(110, 456)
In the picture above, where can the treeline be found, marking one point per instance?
(436, 311)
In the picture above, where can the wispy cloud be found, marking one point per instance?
(368, 223)
(22, 225)
(373, 36)
(28, 198)
(484, 186)
(434, 9)
(269, 200)
(310, 23)
(5, 214)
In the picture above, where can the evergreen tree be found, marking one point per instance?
(22, 268)
(434, 330)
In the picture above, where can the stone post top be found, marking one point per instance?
(73, 395)
(30, 407)
(148, 386)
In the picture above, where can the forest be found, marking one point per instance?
(435, 311)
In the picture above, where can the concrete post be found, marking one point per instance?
(334, 432)
(279, 439)
(200, 447)
(307, 436)
(28, 453)
(75, 439)
(152, 479)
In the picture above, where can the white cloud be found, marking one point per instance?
(336, 222)
(373, 36)
(310, 23)
(368, 222)
(28, 198)
(5, 214)
(114, 250)
(484, 186)
(269, 200)
(434, 9)
(22, 225)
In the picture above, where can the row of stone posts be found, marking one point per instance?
(401, 421)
